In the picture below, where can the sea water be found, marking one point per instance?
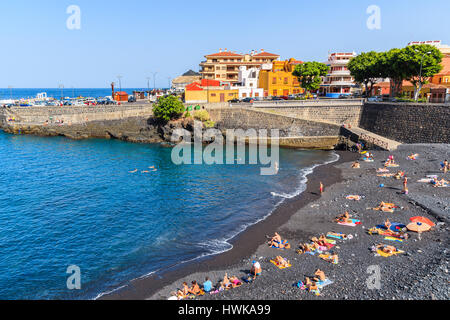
(66, 202)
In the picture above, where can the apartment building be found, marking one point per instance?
(338, 81)
(224, 65)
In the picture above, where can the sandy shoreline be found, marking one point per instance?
(420, 274)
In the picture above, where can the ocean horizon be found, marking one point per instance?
(28, 93)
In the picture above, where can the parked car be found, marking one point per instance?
(131, 99)
(248, 100)
(375, 99)
(343, 96)
(234, 101)
(276, 98)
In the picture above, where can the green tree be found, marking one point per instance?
(310, 74)
(391, 65)
(421, 63)
(168, 108)
(365, 68)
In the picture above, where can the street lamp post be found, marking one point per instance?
(10, 91)
(61, 86)
(120, 83)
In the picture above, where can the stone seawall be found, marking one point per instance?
(74, 114)
(308, 134)
(407, 122)
(348, 114)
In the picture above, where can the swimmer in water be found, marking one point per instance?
(145, 171)
(134, 171)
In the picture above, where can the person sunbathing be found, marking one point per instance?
(312, 286)
(413, 156)
(226, 282)
(341, 235)
(380, 170)
(387, 224)
(319, 275)
(195, 288)
(445, 166)
(322, 241)
(277, 242)
(280, 261)
(356, 165)
(235, 282)
(345, 218)
(308, 282)
(334, 258)
(386, 248)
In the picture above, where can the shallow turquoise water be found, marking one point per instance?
(66, 202)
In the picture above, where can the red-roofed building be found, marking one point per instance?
(224, 65)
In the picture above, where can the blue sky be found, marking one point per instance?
(135, 38)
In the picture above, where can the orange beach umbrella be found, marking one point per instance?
(418, 227)
(423, 220)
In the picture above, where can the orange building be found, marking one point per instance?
(121, 96)
(209, 91)
(277, 79)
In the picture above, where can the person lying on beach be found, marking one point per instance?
(280, 261)
(322, 241)
(235, 282)
(356, 165)
(310, 285)
(439, 183)
(340, 235)
(387, 224)
(319, 275)
(413, 156)
(386, 248)
(303, 248)
(345, 217)
(385, 206)
(382, 170)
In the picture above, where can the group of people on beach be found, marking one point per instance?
(320, 244)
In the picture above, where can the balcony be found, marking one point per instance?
(341, 83)
(339, 73)
(337, 62)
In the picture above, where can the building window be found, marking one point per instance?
(285, 80)
(213, 94)
(244, 95)
(274, 80)
(274, 92)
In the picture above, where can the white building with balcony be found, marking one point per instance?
(338, 81)
(248, 83)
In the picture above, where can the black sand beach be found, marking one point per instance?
(422, 273)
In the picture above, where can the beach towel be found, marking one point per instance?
(301, 285)
(331, 241)
(336, 236)
(280, 267)
(367, 160)
(391, 238)
(384, 254)
(326, 257)
(349, 224)
(393, 165)
(323, 283)
(426, 180)
(385, 175)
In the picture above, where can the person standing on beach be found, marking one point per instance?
(405, 185)
(321, 187)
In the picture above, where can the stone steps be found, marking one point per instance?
(376, 139)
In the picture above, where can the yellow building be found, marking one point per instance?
(278, 80)
(443, 77)
(209, 91)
